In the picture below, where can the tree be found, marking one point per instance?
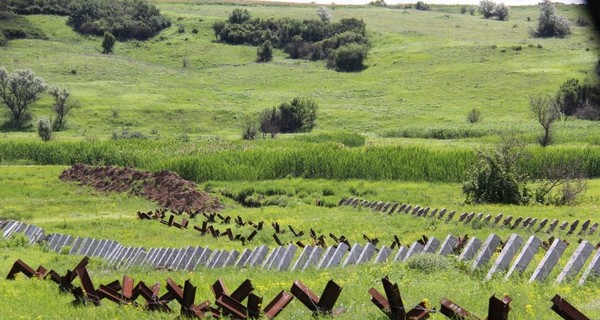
(569, 96)
(45, 129)
(545, 112)
(550, 23)
(108, 43)
(270, 120)
(324, 14)
(299, 115)
(62, 105)
(265, 52)
(19, 90)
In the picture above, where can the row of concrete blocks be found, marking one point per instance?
(467, 218)
(281, 258)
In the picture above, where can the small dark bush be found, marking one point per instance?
(420, 5)
(349, 58)
(265, 52)
(474, 116)
(299, 115)
(194, 31)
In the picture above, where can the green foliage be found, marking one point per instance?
(348, 58)
(474, 116)
(239, 16)
(57, 7)
(577, 99)
(44, 128)
(298, 115)
(307, 39)
(270, 122)
(125, 19)
(430, 263)
(490, 9)
(19, 90)
(250, 131)
(420, 5)
(324, 14)
(551, 23)
(378, 3)
(108, 43)
(496, 176)
(265, 52)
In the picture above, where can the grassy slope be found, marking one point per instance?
(426, 69)
(30, 194)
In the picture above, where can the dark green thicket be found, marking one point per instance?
(13, 26)
(58, 7)
(314, 39)
(125, 19)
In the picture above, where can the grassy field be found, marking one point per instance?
(396, 131)
(34, 194)
(426, 70)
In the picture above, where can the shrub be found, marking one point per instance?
(501, 11)
(486, 7)
(299, 115)
(474, 116)
(324, 14)
(44, 127)
(239, 16)
(265, 52)
(125, 19)
(550, 23)
(108, 43)
(579, 100)
(429, 263)
(378, 3)
(490, 9)
(180, 28)
(349, 58)
(250, 131)
(420, 5)
(270, 121)
(545, 112)
(496, 177)
(62, 105)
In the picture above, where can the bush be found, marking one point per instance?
(579, 100)
(324, 14)
(349, 58)
(299, 115)
(19, 90)
(45, 129)
(486, 7)
(474, 116)
(550, 23)
(265, 52)
(490, 9)
(108, 43)
(420, 5)
(125, 19)
(496, 176)
(429, 263)
(270, 121)
(378, 3)
(250, 131)
(239, 16)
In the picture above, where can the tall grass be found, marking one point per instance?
(268, 160)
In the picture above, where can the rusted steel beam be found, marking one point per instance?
(277, 304)
(454, 311)
(20, 266)
(323, 305)
(232, 307)
(564, 309)
(393, 306)
(498, 309)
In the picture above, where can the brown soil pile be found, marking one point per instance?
(166, 188)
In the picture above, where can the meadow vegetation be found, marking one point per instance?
(437, 88)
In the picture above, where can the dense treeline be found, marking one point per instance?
(344, 44)
(13, 26)
(125, 19)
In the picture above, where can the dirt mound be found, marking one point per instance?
(166, 188)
